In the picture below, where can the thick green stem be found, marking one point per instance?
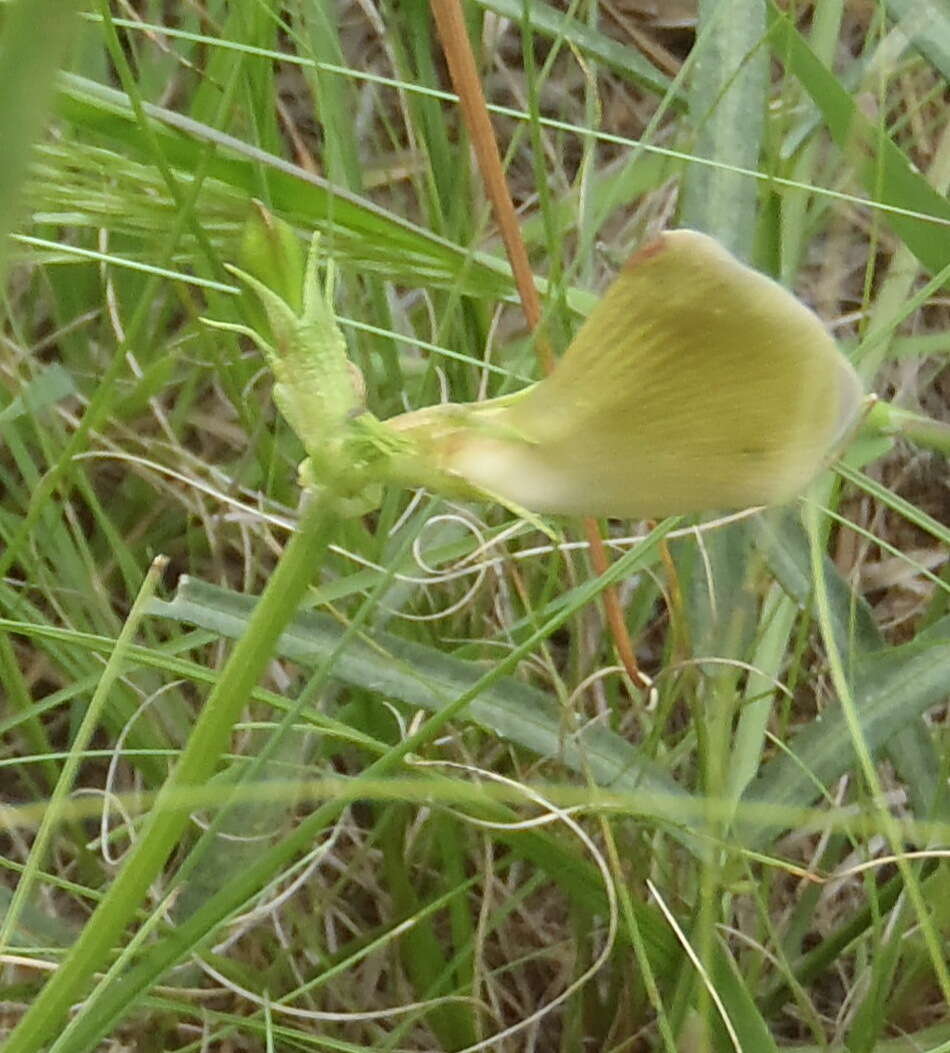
(887, 419)
(101, 1014)
(167, 820)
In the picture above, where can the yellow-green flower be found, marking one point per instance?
(696, 384)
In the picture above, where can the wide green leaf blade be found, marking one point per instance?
(419, 675)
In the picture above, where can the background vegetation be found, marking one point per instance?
(749, 855)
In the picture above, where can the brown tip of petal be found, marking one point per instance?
(646, 252)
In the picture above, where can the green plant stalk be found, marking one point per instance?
(889, 824)
(53, 812)
(294, 712)
(167, 820)
(20, 703)
(920, 430)
(99, 1015)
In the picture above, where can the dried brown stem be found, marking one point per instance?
(464, 73)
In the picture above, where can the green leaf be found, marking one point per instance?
(891, 688)
(418, 675)
(45, 389)
(779, 535)
(356, 229)
(728, 91)
(888, 176)
(750, 1027)
(927, 23)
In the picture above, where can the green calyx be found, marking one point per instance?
(318, 390)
